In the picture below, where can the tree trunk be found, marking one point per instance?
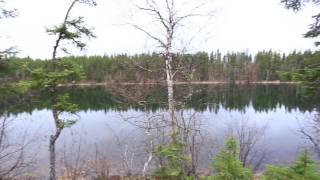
(170, 84)
(52, 157)
(53, 138)
(52, 151)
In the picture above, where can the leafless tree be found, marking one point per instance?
(156, 128)
(100, 166)
(311, 132)
(250, 138)
(127, 151)
(153, 126)
(13, 161)
(192, 136)
(150, 139)
(75, 157)
(168, 18)
(79, 161)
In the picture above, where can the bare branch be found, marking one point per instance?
(150, 35)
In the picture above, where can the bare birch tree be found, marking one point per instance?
(167, 17)
(151, 124)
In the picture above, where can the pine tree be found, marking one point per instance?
(227, 166)
(304, 168)
(171, 153)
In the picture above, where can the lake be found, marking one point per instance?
(113, 120)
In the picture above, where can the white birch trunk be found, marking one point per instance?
(170, 83)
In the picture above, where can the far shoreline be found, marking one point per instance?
(180, 83)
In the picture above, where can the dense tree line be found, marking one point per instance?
(202, 66)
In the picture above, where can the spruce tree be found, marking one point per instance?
(227, 166)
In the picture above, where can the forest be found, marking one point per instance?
(148, 68)
(171, 114)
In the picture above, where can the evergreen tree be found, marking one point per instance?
(296, 5)
(304, 168)
(311, 73)
(172, 154)
(227, 166)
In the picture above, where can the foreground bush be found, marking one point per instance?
(304, 168)
(227, 166)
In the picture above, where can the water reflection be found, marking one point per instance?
(200, 98)
(120, 126)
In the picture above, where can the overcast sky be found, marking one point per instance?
(238, 25)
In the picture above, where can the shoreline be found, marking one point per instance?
(181, 83)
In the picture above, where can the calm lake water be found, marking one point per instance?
(110, 120)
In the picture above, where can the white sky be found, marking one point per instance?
(238, 25)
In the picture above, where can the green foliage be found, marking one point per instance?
(65, 71)
(63, 104)
(209, 178)
(307, 72)
(193, 67)
(268, 63)
(276, 173)
(14, 89)
(296, 5)
(72, 30)
(227, 166)
(304, 168)
(310, 76)
(172, 153)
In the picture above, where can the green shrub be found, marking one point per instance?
(227, 166)
(304, 168)
(173, 157)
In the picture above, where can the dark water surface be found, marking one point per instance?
(110, 119)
